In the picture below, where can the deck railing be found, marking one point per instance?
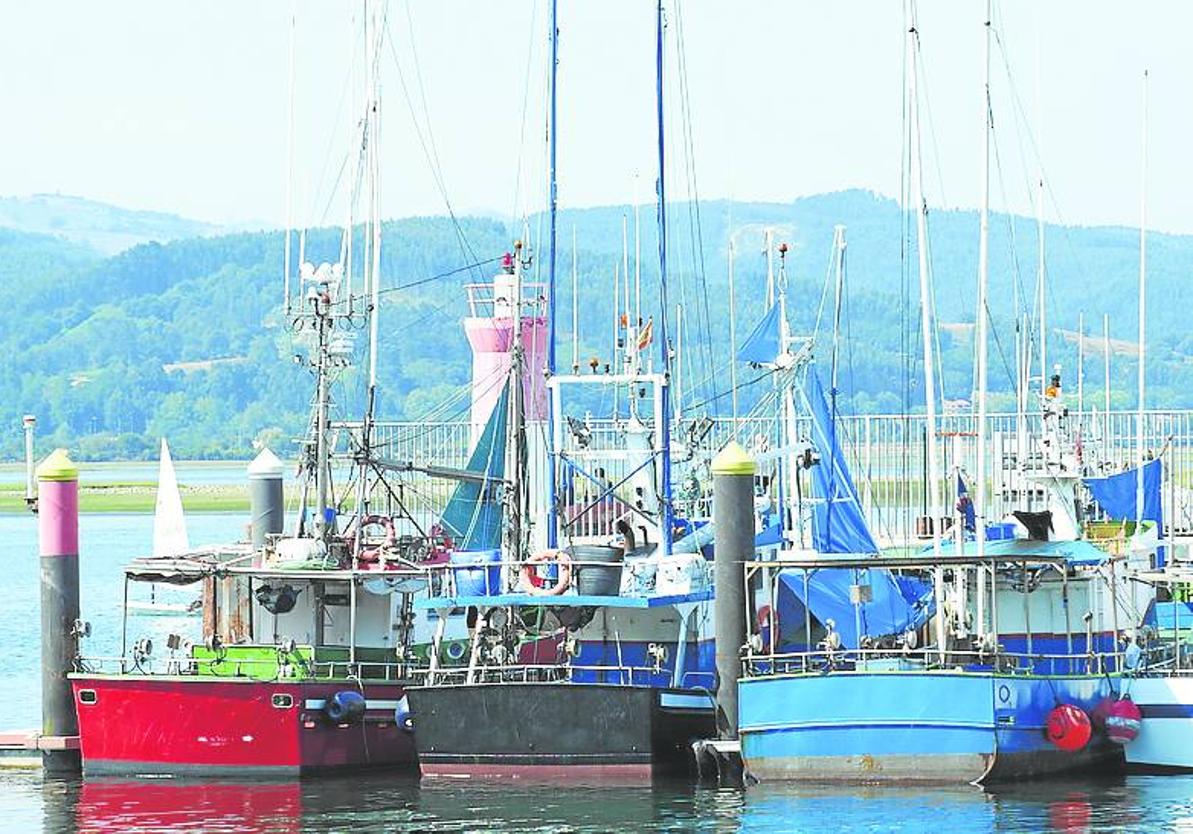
(886, 453)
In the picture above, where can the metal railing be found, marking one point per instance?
(885, 452)
(928, 659)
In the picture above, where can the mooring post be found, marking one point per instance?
(733, 518)
(266, 500)
(58, 536)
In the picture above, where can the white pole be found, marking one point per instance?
(1080, 367)
(732, 337)
(919, 206)
(1041, 271)
(289, 168)
(375, 192)
(1106, 368)
(982, 332)
(1139, 444)
(678, 415)
(575, 308)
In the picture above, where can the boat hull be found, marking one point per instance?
(142, 725)
(557, 731)
(1165, 740)
(927, 728)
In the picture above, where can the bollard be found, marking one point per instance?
(266, 499)
(58, 536)
(733, 516)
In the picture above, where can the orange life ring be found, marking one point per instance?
(531, 582)
(391, 538)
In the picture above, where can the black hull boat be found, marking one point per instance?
(558, 731)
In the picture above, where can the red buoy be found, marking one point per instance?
(1068, 727)
(1124, 721)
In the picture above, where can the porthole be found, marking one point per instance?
(87, 696)
(282, 700)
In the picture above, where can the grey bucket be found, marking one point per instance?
(597, 580)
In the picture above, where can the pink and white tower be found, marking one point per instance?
(492, 310)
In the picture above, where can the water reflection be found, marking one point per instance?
(391, 802)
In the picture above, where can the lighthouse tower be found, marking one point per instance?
(490, 327)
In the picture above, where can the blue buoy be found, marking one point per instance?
(345, 707)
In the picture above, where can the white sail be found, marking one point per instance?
(169, 524)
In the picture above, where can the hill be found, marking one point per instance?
(184, 339)
(103, 227)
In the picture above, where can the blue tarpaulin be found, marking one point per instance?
(897, 603)
(838, 525)
(1117, 495)
(762, 345)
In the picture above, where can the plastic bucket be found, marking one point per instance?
(476, 576)
(603, 580)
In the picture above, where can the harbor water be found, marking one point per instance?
(391, 802)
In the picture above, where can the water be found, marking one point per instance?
(393, 802)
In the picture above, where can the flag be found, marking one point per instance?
(965, 507)
(646, 334)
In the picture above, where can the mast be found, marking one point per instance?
(1106, 371)
(515, 433)
(982, 329)
(839, 258)
(575, 308)
(1139, 444)
(1080, 368)
(1041, 272)
(732, 338)
(920, 207)
(553, 206)
(289, 170)
(664, 347)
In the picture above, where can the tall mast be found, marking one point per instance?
(1106, 371)
(1080, 367)
(1139, 445)
(664, 347)
(982, 328)
(288, 266)
(839, 284)
(920, 207)
(553, 205)
(732, 337)
(1041, 269)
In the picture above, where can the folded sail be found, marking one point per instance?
(838, 525)
(473, 514)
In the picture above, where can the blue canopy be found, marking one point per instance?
(897, 603)
(1079, 552)
(762, 345)
(473, 513)
(1116, 495)
(838, 525)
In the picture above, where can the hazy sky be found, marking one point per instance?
(182, 107)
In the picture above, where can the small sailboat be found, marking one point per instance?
(169, 539)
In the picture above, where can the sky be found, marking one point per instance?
(183, 107)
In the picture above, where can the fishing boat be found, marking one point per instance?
(585, 658)
(573, 634)
(302, 666)
(958, 663)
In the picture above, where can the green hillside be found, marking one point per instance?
(184, 339)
